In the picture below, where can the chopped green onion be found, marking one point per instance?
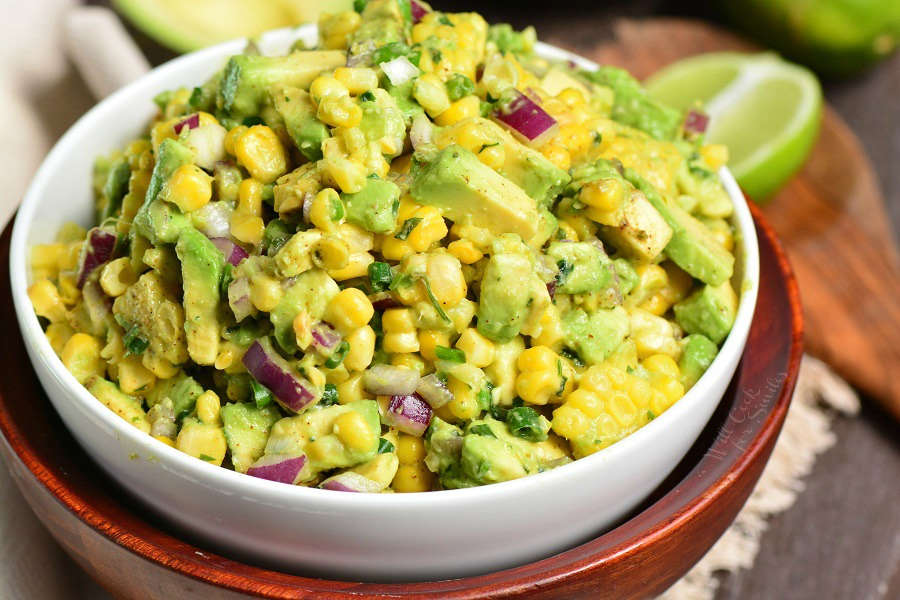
(482, 429)
(380, 276)
(367, 97)
(444, 20)
(337, 208)
(329, 395)
(206, 457)
(196, 97)
(385, 446)
(359, 5)
(565, 269)
(400, 280)
(450, 354)
(338, 357)
(251, 121)
(573, 356)
(405, 10)
(459, 86)
(407, 227)
(525, 422)
(485, 397)
(261, 394)
(134, 343)
(434, 301)
(394, 50)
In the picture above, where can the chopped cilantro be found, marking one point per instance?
(329, 395)
(482, 429)
(262, 396)
(385, 446)
(407, 227)
(525, 422)
(338, 357)
(450, 354)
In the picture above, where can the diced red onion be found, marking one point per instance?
(696, 121)
(98, 248)
(325, 338)
(239, 298)
(292, 391)
(350, 481)
(418, 10)
(283, 468)
(208, 143)
(434, 391)
(96, 302)
(212, 220)
(551, 289)
(388, 380)
(526, 118)
(399, 70)
(190, 122)
(162, 419)
(383, 301)
(410, 414)
(421, 132)
(234, 254)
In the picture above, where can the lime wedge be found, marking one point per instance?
(767, 111)
(185, 25)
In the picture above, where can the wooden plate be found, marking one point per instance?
(133, 556)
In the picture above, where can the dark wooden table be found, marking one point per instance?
(841, 540)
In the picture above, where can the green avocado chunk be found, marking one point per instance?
(710, 310)
(311, 291)
(508, 289)
(597, 334)
(248, 78)
(692, 247)
(583, 267)
(382, 23)
(468, 191)
(634, 107)
(374, 208)
(299, 115)
(156, 220)
(246, 431)
(183, 390)
(126, 406)
(202, 265)
(697, 353)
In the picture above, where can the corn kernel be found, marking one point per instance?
(349, 310)
(621, 408)
(46, 301)
(260, 152)
(353, 431)
(133, 376)
(715, 155)
(203, 440)
(335, 29)
(662, 364)
(394, 249)
(265, 292)
(357, 266)
(606, 195)
(58, 334)
(412, 478)
(352, 389)
(400, 342)
(189, 188)
(410, 449)
(326, 86)
(165, 440)
(357, 80)
(587, 402)
(250, 197)
(479, 350)
(331, 253)
(464, 405)
(247, 228)
(116, 276)
(208, 406)
(233, 136)
(430, 339)
(464, 108)
(362, 348)
(446, 279)
(339, 111)
(492, 156)
(558, 155)
(465, 251)
(326, 205)
(569, 422)
(410, 360)
(81, 356)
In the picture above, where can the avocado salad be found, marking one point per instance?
(417, 256)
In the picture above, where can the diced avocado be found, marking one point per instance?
(183, 390)
(202, 265)
(443, 443)
(248, 78)
(698, 352)
(503, 371)
(155, 310)
(642, 233)
(508, 39)
(626, 275)
(382, 118)
(406, 104)
(114, 188)
(374, 208)
(310, 292)
(704, 185)
(127, 407)
(383, 22)
(380, 469)
(299, 114)
(508, 289)
(583, 267)
(487, 459)
(558, 79)
(159, 221)
(524, 166)
(470, 192)
(692, 247)
(634, 107)
(710, 310)
(246, 431)
(595, 335)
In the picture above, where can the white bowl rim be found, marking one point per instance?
(277, 492)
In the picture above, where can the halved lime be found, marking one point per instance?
(185, 25)
(766, 110)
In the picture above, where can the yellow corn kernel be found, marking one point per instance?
(349, 175)
(302, 326)
(247, 228)
(492, 156)
(208, 406)
(116, 276)
(322, 210)
(228, 357)
(165, 440)
(46, 301)
(250, 197)
(357, 80)
(569, 422)
(445, 276)
(537, 387)
(537, 358)
(662, 364)
(394, 249)
(464, 405)
(326, 86)
(429, 230)
(410, 449)
(621, 408)
(58, 334)
(550, 330)
(295, 256)
(189, 188)
(233, 136)
(260, 152)
(464, 108)
(571, 97)
(158, 365)
(339, 111)
(46, 257)
(670, 386)
(350, 309)
(557, 154)
(412, 478)
(479, 350)
(81, 356)
(353, 431)
(410, 360)
(68, 288)
(204, 441)
(362, 348)
(429, 339)
(430, 92)
(606, 195)
(586, 401)
(401, 342)
(331, 253)
(335, 29)
(133, 376)
(352, 389)
(465, 251)
(357, 266)
(265, 292)
(715, 155)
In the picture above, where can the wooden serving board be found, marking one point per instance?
(831, 217)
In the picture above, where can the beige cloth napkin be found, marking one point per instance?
(41, 95)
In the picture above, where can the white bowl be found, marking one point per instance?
(376, 537)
